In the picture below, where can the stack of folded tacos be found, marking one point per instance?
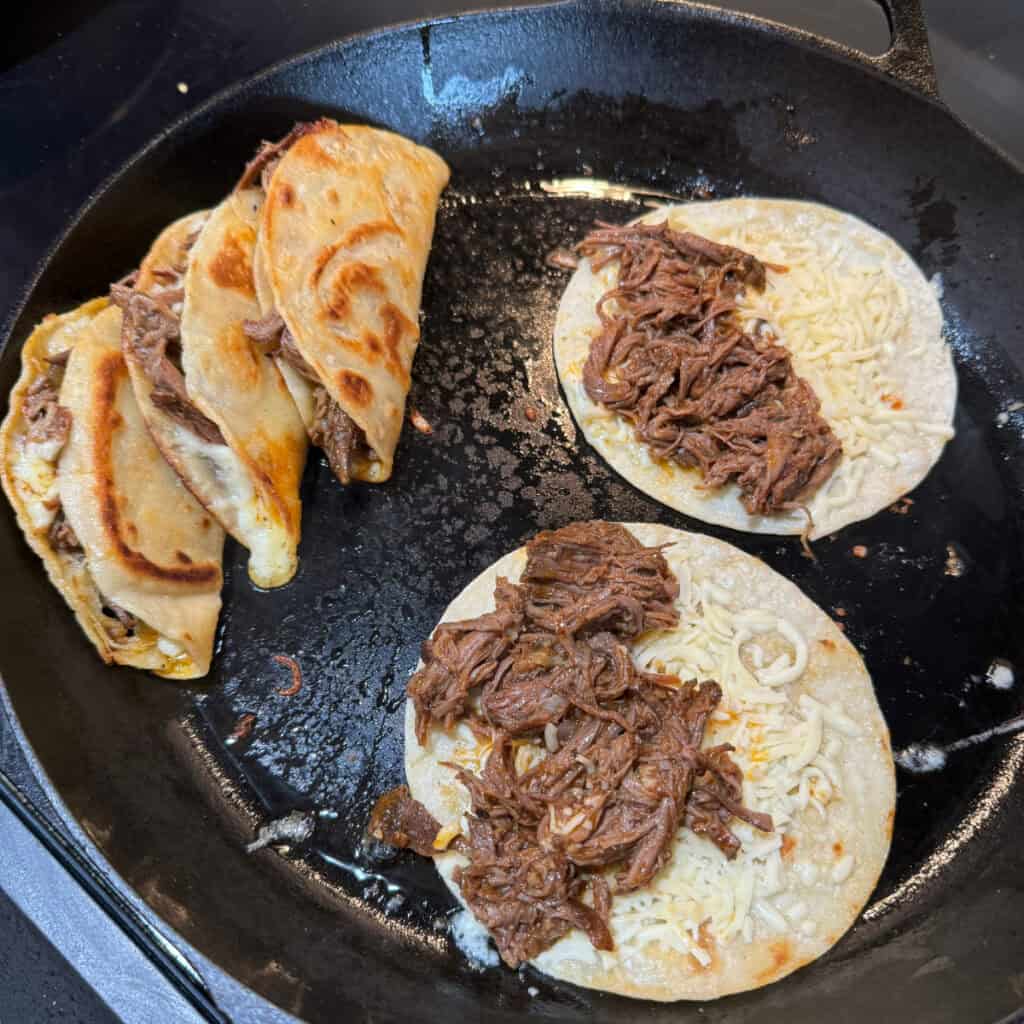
(143, 428)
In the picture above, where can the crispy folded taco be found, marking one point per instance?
(129, 548)
(762, 364)
(220, 412)
(344, 237)
(646, 763)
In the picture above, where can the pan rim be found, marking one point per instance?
(223, 97)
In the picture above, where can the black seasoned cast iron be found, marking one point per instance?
(678, 99)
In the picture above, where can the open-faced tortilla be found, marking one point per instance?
(863, 327)
(344, 238)
(229, 427)
(800, 711)
(127, 546)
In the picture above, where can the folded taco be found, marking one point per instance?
(216, 405)
(769, 365)
(125, 543)
(344, 236)
(645, 763)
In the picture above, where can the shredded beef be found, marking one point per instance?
(336, 433)
(62, 537)
(527, 896)
(401, 821)
(333, 430)
(120, 624)
(265, 332)
(149, 333)
(271, 334)
(674, 361)
(624, 770)
(261, 167)
(47, 419)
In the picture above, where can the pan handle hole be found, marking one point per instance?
(861, 24)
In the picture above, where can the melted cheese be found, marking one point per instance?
(35, 475)
(786, 748)
(240, 508)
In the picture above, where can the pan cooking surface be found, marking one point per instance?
(160, 775)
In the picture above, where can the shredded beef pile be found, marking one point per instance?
(332, 429)
(624, 768)
(151, 336)
(673, 360)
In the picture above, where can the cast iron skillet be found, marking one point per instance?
(678, 99)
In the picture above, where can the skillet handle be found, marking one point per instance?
(909, 57)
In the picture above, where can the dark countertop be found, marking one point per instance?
(84, 86)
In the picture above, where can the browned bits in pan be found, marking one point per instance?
(243, 728)
(420, 422)
(291, 663)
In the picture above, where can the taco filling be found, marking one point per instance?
(594, 765)
(768, 365)
(152, 340)
(331, 428)
(673, 359)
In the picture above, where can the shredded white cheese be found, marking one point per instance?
(842, 311)
(785, 746)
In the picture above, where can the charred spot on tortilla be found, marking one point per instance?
(231, 268)
(350, 280)
(366, 230)
(615, 825)
(356, 388)
(287, 196)
(397, 327)
(780, 954)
